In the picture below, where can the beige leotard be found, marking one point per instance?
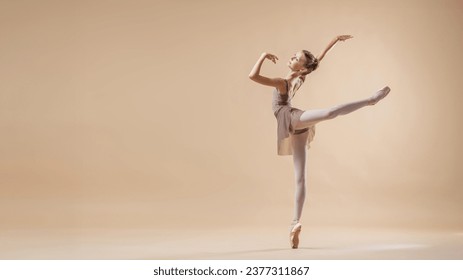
(287, 117)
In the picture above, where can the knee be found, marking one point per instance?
(300, 182)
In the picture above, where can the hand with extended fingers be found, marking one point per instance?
(343, 37)
(269, 56)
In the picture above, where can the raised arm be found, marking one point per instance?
(332, 43)
(255, 72)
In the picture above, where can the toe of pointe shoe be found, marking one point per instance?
(387, 89)
(294, 236)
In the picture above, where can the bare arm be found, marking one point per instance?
(256, 77)
(332, 43)
(325, 51)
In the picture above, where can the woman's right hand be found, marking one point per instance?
(269, 57)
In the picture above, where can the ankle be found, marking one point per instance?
(371, 101)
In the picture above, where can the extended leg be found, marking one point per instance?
(311, 117)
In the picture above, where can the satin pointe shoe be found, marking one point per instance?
(294, 235)
(380, 94)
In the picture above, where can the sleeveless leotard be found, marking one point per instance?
(287, 117)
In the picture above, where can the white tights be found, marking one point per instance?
(299, 159)
(309, 118)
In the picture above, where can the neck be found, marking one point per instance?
(292, 74)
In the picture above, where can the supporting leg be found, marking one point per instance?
(299, 158)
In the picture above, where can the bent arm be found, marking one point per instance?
(256, 69)
(255, 73)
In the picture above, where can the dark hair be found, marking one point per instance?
(312, 61)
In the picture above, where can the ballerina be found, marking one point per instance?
(295, 127)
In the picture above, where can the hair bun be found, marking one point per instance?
(315, 64)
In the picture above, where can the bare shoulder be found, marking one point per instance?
(278, 83)
(283, 85)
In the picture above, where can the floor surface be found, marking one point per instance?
(237, 243)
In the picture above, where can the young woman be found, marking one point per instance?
(296, 128)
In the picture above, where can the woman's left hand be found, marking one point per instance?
(344, 37)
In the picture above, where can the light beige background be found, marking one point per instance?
(140, 114)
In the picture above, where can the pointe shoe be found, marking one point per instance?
(294, 235)
(380, 94)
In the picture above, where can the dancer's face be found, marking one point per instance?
(297, 61)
